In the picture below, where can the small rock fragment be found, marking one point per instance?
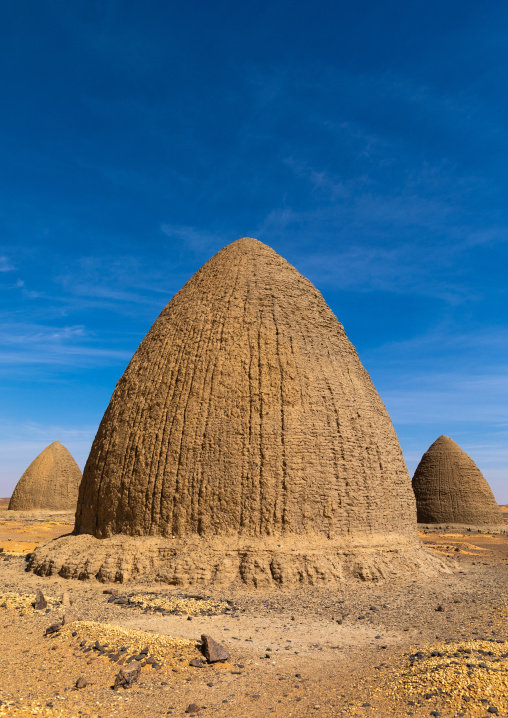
(127, 676)
(68, 618)
(81, 682)
(53, 628)
(192, 708)
(66, 599)
(40, 601)
(213, 651)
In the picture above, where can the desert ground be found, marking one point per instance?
(416, 647)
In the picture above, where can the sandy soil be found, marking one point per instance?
(18, 535)
(351, 652)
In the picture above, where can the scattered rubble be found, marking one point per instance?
(123, 645)
(19, 601)
(453, 676)
(185, 605)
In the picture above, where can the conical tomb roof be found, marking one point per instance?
(246, 411)
(51, 482)
(450, 488)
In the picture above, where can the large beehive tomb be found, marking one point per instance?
(245, 440)
(51, 482)
(450, 488)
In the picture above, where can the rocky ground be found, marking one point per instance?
(412, 647)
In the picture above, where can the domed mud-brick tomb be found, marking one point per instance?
(450, 488)
(245, 441)
(50, 483)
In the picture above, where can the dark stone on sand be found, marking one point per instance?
(40, 601)
(213, 651)
(81, 682)
(127, 676)
(53, 628)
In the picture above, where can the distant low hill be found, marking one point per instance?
(4, 503)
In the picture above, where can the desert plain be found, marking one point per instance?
(417, 646)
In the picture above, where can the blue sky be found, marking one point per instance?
(365, 142)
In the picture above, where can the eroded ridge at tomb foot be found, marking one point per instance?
(225, 562)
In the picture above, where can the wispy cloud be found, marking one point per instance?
(5, 264)
(71, 358)
(427, 353)
(338, 253)
(28, 345)
(450, 398)
(451, 381)
(36, 334)
(130, 285)
(196, 240)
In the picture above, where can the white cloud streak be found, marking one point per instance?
(5, 264)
